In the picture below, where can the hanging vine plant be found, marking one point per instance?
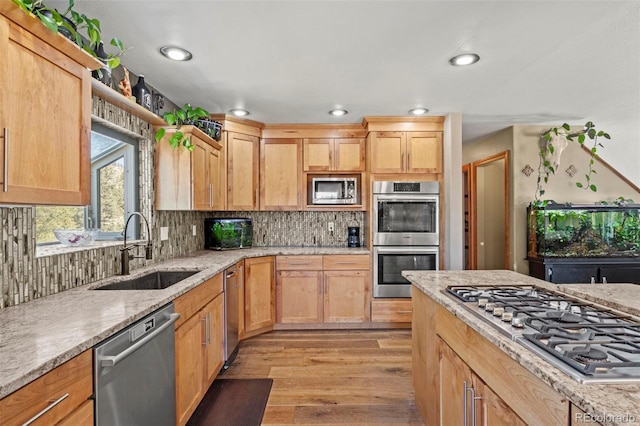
(556, 140)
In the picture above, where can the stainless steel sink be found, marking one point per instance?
(157, 280)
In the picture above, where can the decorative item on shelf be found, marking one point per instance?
(76, 237)
(125, 84)
(142, 93)
(103, 74)
(77, 27)
(179, 117)
(555, 140)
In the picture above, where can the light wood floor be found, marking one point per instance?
(332, 377)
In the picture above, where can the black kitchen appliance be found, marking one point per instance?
(353, 236)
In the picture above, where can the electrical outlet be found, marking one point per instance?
(194, 231)
(331, 227)
(164, 233)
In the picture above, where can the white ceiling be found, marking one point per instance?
(292, 61)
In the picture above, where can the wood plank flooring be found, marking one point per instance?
(337, 377)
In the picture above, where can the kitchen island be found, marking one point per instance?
(454, 351)
(38, 336)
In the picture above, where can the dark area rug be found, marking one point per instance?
(233, 402)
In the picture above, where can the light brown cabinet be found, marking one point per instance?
(334, 155)
(242, 171)
(280, 174)
(65, 390)
(391, 310)
(187, 180)
(317, 289)
(406, 152)
(259, 295)
(45, 118)
(465, 398)
(198, 345)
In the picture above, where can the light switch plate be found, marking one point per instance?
(194, 231)
(164, 233)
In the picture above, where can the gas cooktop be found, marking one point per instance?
(591, 343)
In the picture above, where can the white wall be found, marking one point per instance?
(452, 197)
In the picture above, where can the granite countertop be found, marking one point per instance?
(37, 336)
(609, 404)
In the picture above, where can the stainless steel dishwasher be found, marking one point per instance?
(134, 373)
(232, 288)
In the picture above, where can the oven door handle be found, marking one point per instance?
(111, 361)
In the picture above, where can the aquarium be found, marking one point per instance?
(228, 233)
(565, 231)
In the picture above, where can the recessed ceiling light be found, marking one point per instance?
(176, 53)
(418, 111)
(239, 112)
(338, 112)
(464, 59)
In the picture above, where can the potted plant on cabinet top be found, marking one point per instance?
(188, 115)
(79, 28)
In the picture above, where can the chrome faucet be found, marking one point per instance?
(124, 251)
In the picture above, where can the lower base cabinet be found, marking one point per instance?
(199, 344)
(391, 310)
(259, 303)
(64, 391)
(465, 398)
(323, 289)
(452, 363)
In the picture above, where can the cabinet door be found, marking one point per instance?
(454, 373)
(349, 155)
(388, 152)
(44, 122)
(424, 152)
(218, 177)
(189, 367)
(280, 174)
(572, 273)
(201, 189)
(242, 172)
(494, 411)
(620, 274)
(299, 297)
(173, 177)
(213, 315)
(318, 155)
(347, 296)
(259, 293)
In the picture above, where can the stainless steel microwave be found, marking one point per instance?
(333, 190)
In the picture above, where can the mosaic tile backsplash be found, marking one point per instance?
(26, 274)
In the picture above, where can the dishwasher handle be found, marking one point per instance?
(110, 361)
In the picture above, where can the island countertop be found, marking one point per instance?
(610, 404)
(38, 336)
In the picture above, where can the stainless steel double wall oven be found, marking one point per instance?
(405, 233)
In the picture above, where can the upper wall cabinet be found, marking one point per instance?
(188, 180)
(406, 152)
(404, 144)
(280, 174)
(334, 155)
(242, 171)
(45, 113)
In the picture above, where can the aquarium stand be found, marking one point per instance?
(585, 270)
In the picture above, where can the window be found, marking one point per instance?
(114, 194)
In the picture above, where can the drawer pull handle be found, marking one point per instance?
(346, 263)
(405, 312)
(47, 408)
(299, 263)
(5, 183)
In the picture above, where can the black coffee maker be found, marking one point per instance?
(353, 236)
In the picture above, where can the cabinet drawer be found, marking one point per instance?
(83, 416)
(71, 384)
(391, 310)
(191, 302)
(298, 263)
(345, 261)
